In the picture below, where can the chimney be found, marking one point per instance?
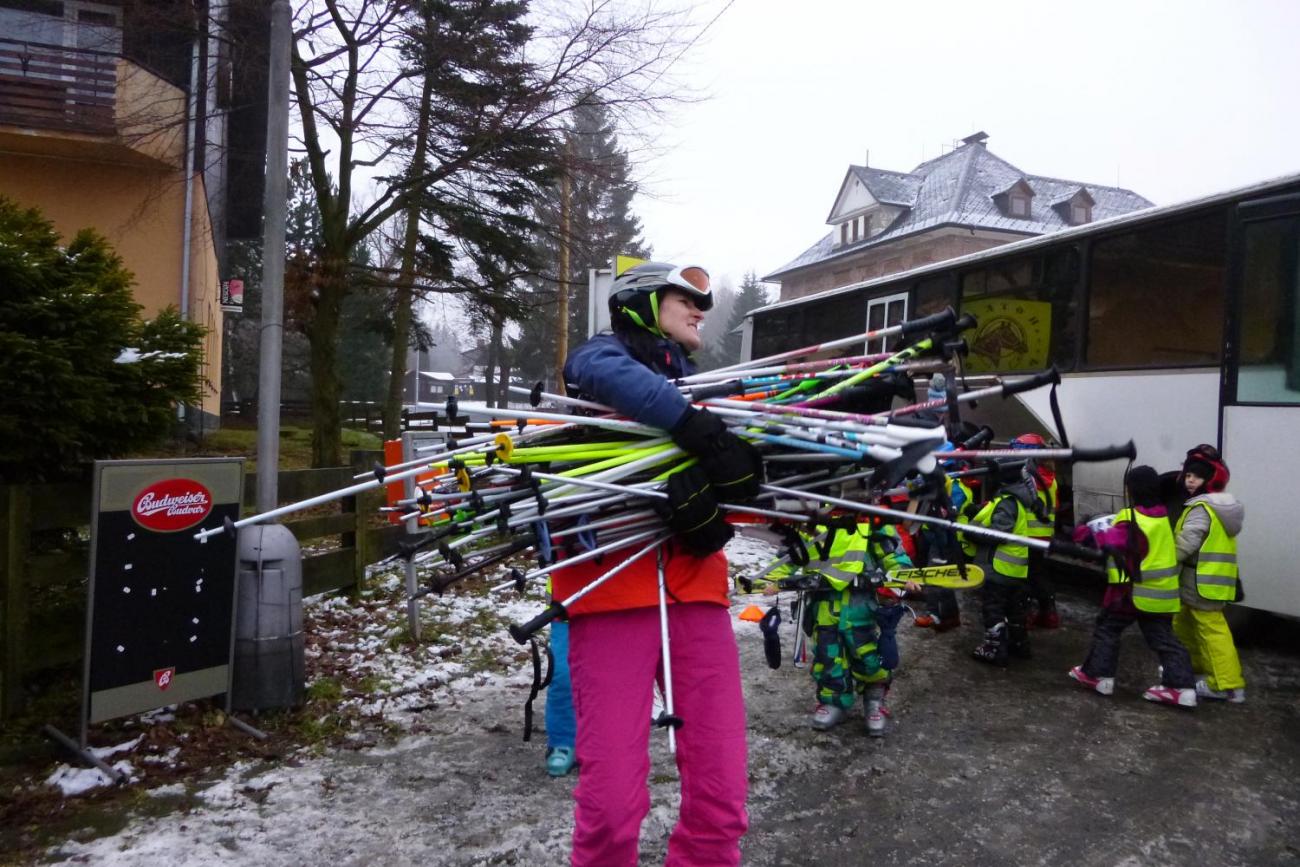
(978, 138)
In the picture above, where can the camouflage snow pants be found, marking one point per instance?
(846, 658)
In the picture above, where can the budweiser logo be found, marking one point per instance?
(171, 505)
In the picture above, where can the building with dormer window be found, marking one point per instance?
(969, 199)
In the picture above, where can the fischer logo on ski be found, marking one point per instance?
(172, 505)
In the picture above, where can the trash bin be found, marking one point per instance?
(270, 670)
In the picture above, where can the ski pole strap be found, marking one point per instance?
(545, 556)
(1056, 418)
(793, 543)
(539, 683)
(587, 538)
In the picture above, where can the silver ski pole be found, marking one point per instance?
(667, 719)
(800, 639)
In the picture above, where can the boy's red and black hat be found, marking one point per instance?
(1204, 461)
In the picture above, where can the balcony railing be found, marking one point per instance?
(53, 87)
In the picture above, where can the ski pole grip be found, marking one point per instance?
(1051, 376)
(1093, 555)
(1128, 451)
(720, 389)
(967, 321)
(979, 439)
(521, 632)
(928, 323)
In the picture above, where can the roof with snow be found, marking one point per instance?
(963, 188)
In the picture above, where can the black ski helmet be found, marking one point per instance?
(635, 293)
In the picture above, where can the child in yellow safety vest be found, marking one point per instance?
(1042, 603)
(1142, 588)
(846, 636)
(1005, 593)
(1206, 542)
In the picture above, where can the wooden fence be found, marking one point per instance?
(45, 547)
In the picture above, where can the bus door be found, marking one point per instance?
(1260, 397)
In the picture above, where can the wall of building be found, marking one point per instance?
(140, 211)
(893, 258)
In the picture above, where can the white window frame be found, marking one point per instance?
(886, 344)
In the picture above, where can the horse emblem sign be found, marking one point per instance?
(1012, 334)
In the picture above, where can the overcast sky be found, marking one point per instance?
(1170, 99)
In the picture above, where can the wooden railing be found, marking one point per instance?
(43, 585)
(53, 87)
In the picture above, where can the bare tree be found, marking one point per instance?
(357, 81)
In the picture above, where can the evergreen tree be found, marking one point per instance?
(713, 331)
(84, 376)
(601, 226)
(752, 296)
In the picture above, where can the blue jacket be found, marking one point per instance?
(603, 370)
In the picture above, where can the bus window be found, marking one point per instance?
(1026, 311)
(778, 331)
(831, 319)
(1155, 297)
(933, 294)
(1269, 350)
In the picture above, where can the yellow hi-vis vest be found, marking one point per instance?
(1009, 558)
(968, 497)
(1216, 562)
(1046, 528)
(845, 562)
(1157, 590)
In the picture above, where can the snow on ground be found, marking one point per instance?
(456, 786)
(981, 765)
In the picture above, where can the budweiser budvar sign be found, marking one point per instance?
(171, 505)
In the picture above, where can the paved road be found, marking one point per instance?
(983, 767)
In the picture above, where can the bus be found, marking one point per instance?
(1175, 326)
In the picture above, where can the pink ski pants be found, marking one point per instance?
(614, 659)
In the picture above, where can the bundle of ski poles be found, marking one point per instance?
(567, 480)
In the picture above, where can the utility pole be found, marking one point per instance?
(562, 287)
(274, 208)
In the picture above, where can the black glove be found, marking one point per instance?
(692, 512)
(733, 465)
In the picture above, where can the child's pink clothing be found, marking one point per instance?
(614, 661)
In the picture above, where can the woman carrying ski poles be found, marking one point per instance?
(615, 650)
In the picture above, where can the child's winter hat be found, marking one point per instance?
(938, 387)
(1143, 484)
(1205, 462)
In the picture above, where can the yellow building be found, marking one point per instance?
(94, 138)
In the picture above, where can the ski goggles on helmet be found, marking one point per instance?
(694, 281)
(635, 293)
